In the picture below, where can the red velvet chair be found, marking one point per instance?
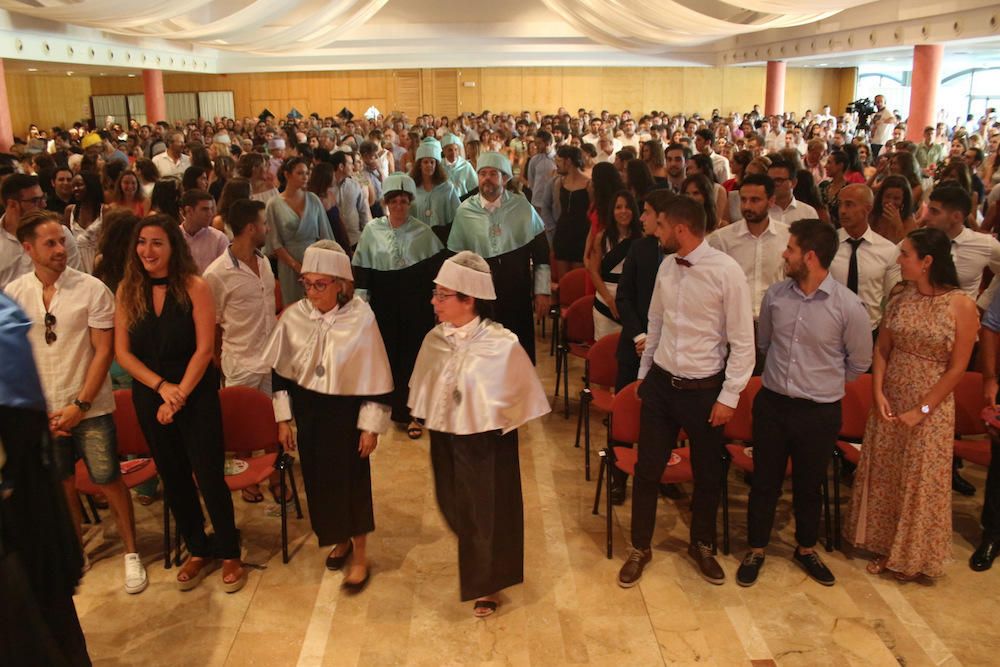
(623, 427)
(600, 375)
(738, 433)
(248, 425)
(969, 405)
(854, 410)
(572, 286)
(577, 339)
(130, 442)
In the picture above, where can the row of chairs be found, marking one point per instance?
(248, 426)
(622, 410)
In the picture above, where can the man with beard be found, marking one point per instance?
(62, 190)
(698, 358)
(816, 336)
(506, 230)
(676, 156)
(757, 241)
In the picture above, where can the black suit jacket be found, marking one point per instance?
(635, 291)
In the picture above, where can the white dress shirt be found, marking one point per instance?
(758, 256)
(796, 210)
(720, 166)
(80, 303)
(973, 252)
(207, 245)
(167, 166)
(878, 272)
(698, 314)
(244, 309)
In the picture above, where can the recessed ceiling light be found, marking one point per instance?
(824, 65)
(32, 69)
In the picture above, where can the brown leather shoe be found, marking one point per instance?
(631, 571)
(708, 567)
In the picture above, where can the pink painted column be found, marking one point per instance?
(923, 89)
(6, 126)
(774, 93)
(156, 101)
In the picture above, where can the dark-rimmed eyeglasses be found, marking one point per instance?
(50, 323)
(318, 286)
(37, 201)
(438, 295)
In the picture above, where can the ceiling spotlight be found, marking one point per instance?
(32, 69)
(131, 76)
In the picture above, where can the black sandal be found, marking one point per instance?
(414, 431)
(251, 496)
(337, 562)
(484, 608)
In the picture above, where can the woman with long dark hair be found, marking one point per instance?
(702, 164)
(437, 199)
(638, 179)
(164, 339)
(699, 188)
(829, 189)
(166, 198)
(607, 257)
(901, 508)
(892, 212)
(295, 220)
(127, 193)
(83, 218)
(234, 190)
(321, 183)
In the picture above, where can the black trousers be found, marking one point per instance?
(665, 411)
(806, 431)
(477, 480)
(991, 500)
(192, 444)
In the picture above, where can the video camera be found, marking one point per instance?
(864, 108)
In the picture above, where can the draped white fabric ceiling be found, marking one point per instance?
(288, 27)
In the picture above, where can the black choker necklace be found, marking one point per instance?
(160, 281)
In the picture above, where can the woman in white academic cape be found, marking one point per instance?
(474, 385)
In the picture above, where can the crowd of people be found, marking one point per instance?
(365, 272)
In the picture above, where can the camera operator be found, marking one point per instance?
(882, 124)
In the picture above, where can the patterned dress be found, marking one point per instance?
(901, 506)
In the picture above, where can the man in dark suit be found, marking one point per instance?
(635, 290)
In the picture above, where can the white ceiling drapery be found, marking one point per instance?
(297, 27)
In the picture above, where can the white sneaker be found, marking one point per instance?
(135, 575)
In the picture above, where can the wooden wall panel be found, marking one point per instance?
(46, 101)
(58, 100)
(445, 86)
(470, 97)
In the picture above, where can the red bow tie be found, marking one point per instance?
(682, 261)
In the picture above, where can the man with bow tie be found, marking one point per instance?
(698, 358)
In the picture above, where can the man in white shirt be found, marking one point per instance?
(698, 358)
(703, 141)
(243, 287)
(629, 137)
(756, 241)
(352, 198)
(676, 156)
(173, 162)
(595, 132)
(881, 125)
(865, 261)
(21, 195)
(947, 209)
(774, 137)
(786, 207)
(205, 241)
(72, 339)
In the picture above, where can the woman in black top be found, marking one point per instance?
(164, 337)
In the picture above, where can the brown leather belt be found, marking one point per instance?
(687, 384)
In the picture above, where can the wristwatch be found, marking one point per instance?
(926, 409)
(83, 405)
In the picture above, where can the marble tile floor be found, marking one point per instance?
(568, 611)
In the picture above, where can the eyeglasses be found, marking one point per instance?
(50, 323)
(438, 295)
(37, 201)
(319, 285)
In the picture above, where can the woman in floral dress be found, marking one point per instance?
(901, 509)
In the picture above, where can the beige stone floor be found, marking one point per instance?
(568, 611)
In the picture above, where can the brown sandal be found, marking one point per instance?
(233, 567)
(876, 565)
(192, 572)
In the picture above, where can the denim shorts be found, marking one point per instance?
(94, 440)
